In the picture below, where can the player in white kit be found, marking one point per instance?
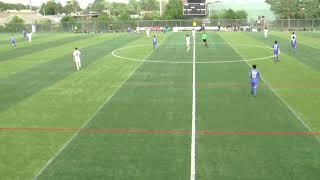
(148, 32)
(29, 35)
(193, 33)
(188, 42)
(266, 33)
(76, 58)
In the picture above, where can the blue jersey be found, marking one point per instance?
(154, 41)
(276, 49)
(254, 75)
(13, 40)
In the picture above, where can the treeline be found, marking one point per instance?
(290, 9)
(53, 8)
(6, 6)
(230, 14)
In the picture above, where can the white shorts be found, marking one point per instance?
(188, 44)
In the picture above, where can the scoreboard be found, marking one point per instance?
(194, 7)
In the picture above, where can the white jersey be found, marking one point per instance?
(29, 35)
(76, 55)
(148, 32)
(193, 33)
(266, 33)
(188, 40)
(293, 36)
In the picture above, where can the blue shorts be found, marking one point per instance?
(254, 84)
(293, 45)
(276, 52)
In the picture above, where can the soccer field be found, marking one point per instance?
(134, 113)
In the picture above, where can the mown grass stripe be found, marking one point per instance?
(23, 84)
(305, 54)
(14, 53)
(22, 63)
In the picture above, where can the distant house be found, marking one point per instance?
(85, 17)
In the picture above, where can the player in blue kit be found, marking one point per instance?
(294, 44)
(276, 51)
(254, 76)
(13, 41)
(155, 43)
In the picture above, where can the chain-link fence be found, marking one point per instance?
(121, 26)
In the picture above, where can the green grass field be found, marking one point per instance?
(128, 113)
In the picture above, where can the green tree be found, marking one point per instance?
(149, 5)
(311, 9)
(230, 14)
(72, 6)
(134, 7)
(174, 10)
(98, 6)
(241, 14)
(118, 9)
(50, 8)
(124, 16)
(286, 8)
(15, 24)
(6, 6)
(67, 19)
(104, 17)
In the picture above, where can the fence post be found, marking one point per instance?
(289, 24)
(313, 23)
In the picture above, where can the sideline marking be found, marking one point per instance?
(307, 127)
(155, 131)
(193, 131)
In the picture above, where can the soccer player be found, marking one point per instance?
(204, 39)
(155, 43)
(294, 44)
(24, 33)
(29, 35)
(188, 42)
(254, 76)
(293, 35)
(129, 29)
(193, 33)
(76, 58)
(266, 33)
(13, 41)
(276, 51)
(148, 32)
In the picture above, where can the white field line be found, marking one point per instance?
(281, 99)
(193, 134)
(114, 53)
(83, 125)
